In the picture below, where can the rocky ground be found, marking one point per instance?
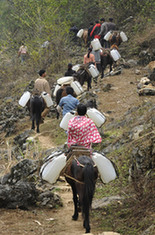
(117, 97)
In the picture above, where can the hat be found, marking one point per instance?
(69, 65)
(110, 19)
(102, 19)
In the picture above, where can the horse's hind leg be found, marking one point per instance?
(75, 200)
(86, 224)
(33, 125)
(38, 118)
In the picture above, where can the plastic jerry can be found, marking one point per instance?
(47, 98)
(96, 44)
(57, 87)
(65, 80)
(76, 67)
(24, 98)
(97, 117)
(123, 36)
(93, 71)
(115, 54)
(77, 87)
(51, 169)
(107, 36)
(105, 167)
(65, 120)
(80, 33)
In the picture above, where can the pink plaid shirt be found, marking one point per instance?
(82, 131)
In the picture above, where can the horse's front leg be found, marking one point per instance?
(110, 67)
(75, 200)
(102, 72)
(89, 83)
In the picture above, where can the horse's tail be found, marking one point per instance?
(89, 187)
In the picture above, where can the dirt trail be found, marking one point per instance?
(115, 103)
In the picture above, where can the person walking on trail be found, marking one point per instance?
(97, 55)
(95, 31)
(82, 130)
(67, 103)
(89, 31)
(40, 85)
(22, 53)
(111, 25)
(89, 58)
(70, 71)
(103, 32)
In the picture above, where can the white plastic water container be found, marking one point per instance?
(93, 71)
(77, 87)
(65, 80)
(65, 120)
(80, 33)
(115, 54)
(123, 36)
(97, 117)
(57, 87)
(24, 98)
(76, 67)
(105, 167)
(96, 44)
(107, 36)
(47, 98)
(51, 169)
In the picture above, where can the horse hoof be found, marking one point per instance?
(74, 217)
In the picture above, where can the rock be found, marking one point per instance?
(147, 90)
(21, 195)
(21, 171)
(100, 203)
(143, 82)
(49, 200)
(132, 63)
(137, 71)
(149, 231)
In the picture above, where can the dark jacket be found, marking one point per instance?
(95, 31)
(70, 72)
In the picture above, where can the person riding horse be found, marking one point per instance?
(68, 103)
(81, 172)
(82, 130)
(70, 71)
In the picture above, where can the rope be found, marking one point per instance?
(72, 178)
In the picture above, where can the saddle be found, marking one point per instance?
(74, 152)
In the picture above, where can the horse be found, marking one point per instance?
(115, 38)
(83, 75)
(37, 105)
(82, 181)
(85, 36)
(105, 60)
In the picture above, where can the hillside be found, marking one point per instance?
(128, 138)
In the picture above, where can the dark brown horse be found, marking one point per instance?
(37, 106)
(83, 75)
(106, 59)
(115, 38)
(82, 181)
